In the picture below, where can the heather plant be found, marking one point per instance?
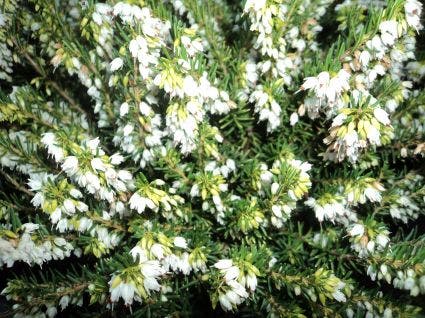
(181, 158)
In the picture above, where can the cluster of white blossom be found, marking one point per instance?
(128, 136)
(371, 309)
(339, 206)
(197, 96)
(409, 279)
(24, 248)
(188, 13)
(60, 200)
(211, 185)
(139, 283)
(237, 284)
(406, 198)
(150, 195)
(327, 91)
(416, 70)
(332, 207)
(83, 66)
(139, 127)
(156, 255)
(89, 166)
(378, 55)
(367, 239)
(190, 91)
(281, 56)
(172, 254)
(355, 129)
(265, 20)
(163, 186)
(13, 159)
(56, 200)
(286, 182)
(267, 107)
(363, 189)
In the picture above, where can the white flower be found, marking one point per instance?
(339, 120)
(124, 175)
(234, 296)
(231, 273)
(151, 268)
(251, 282)
(194, 191)
(64, 301)
(116, 64)
(190, 87)
(389, 27)
(223, 264)
(413, 9)
(382, 240)
(139, 203)
(293, 119)
(92, 144)
(373, 194)
(75, 193)
(69, 206)
(256, 5)
(82, 207)
(277, 210)
(337, 294)
(337, 85)
(145, 109)
(326, 87)
(123, 290)
(49, 140)
(38, 199)
(30, 227)
(373, 135)
(357, 230)
(124, 109)
(364, 58)
(97, 164)
(51, 312)
(128, 129)
(157, 250)
(389, 32)
(238, 288)
(274, 188)
(55, 216)
(138, 254)
(180, 242)
(381, 115)
(93, 182)
(225, 302)
(116, 159)
(70, 165)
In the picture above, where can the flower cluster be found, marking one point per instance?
(357, 128)
(368, 238)
(405, 197)
(95, 171)
(23, 247)
(331, 207)
(189, 158)
(288, 181)
(237, 282)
